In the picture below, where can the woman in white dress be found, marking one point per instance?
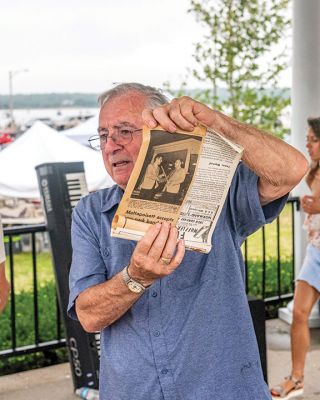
(307, 289)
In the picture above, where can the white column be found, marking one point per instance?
(305, 97)
(305, 68)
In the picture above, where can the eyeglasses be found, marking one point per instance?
(122, 135)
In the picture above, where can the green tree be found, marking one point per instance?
(243, 52)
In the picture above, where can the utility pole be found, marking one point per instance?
(11, 75)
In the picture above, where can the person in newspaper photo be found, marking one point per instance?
(174, 324)
(172, 186)
(152, 177)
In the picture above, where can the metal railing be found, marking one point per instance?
(257, 277)
(37, 345)
(275, 265)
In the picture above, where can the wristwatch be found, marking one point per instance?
(133, 285)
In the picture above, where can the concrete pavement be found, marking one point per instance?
(50, 383)
(55, 383)
(279, 358)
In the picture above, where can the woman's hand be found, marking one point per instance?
(310, 204)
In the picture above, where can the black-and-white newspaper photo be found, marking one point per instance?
(182, 178)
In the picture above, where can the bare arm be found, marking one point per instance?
(4, 287)
(101, 305)
(278, 165)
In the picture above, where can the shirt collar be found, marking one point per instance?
(112, 198)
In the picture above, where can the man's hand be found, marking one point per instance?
(182, 113)
(157, 254)
(310, 204)
(278, 165)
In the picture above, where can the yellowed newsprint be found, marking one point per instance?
(182, 178)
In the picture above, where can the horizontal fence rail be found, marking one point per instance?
(269, 256)
(24, 327)
(32, 323)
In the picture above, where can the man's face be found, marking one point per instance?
(177, 164)
(121, 111)
(313, 145)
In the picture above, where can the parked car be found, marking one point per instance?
(5, 139)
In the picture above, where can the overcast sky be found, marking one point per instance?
(85, 46)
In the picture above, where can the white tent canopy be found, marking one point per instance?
(82, 132)
(41, 144)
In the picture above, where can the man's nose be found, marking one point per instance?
(111, 144)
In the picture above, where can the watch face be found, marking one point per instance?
(134, 287)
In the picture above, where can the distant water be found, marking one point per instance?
(25, 115)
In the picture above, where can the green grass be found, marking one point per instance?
(286, 244)
(23, 274)
(255, 257)
(23, 287)
(25, 317)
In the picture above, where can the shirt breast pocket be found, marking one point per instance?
(117, 255)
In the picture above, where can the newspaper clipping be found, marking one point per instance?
(182, 178)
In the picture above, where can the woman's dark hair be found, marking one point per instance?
(314, 124)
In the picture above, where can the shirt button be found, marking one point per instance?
(156, 333)
(164, 371)
(154, 294)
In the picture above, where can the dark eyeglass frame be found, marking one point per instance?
(98, 142)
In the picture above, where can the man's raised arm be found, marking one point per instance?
(279, 166)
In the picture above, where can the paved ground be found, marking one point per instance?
(51, 383)
(55, 383)
(279, 358)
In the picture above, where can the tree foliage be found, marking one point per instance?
(243, 51)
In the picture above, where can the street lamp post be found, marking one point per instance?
(11, 75)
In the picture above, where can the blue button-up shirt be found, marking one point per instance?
(190, 335)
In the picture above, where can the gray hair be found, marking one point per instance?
(154, 97)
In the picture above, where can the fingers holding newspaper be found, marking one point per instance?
(157, 254)
(181, 113)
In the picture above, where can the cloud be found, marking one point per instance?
(84, 46)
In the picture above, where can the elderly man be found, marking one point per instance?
(174, 325)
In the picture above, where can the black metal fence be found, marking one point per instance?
(269, 259)
(23, 324)
(269, 256)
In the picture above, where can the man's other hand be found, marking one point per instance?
(157, 254)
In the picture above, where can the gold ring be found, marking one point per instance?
(166, 261)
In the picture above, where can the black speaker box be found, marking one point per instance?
(257, 309)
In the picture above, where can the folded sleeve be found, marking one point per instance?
(87, 267)
(247, 213)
